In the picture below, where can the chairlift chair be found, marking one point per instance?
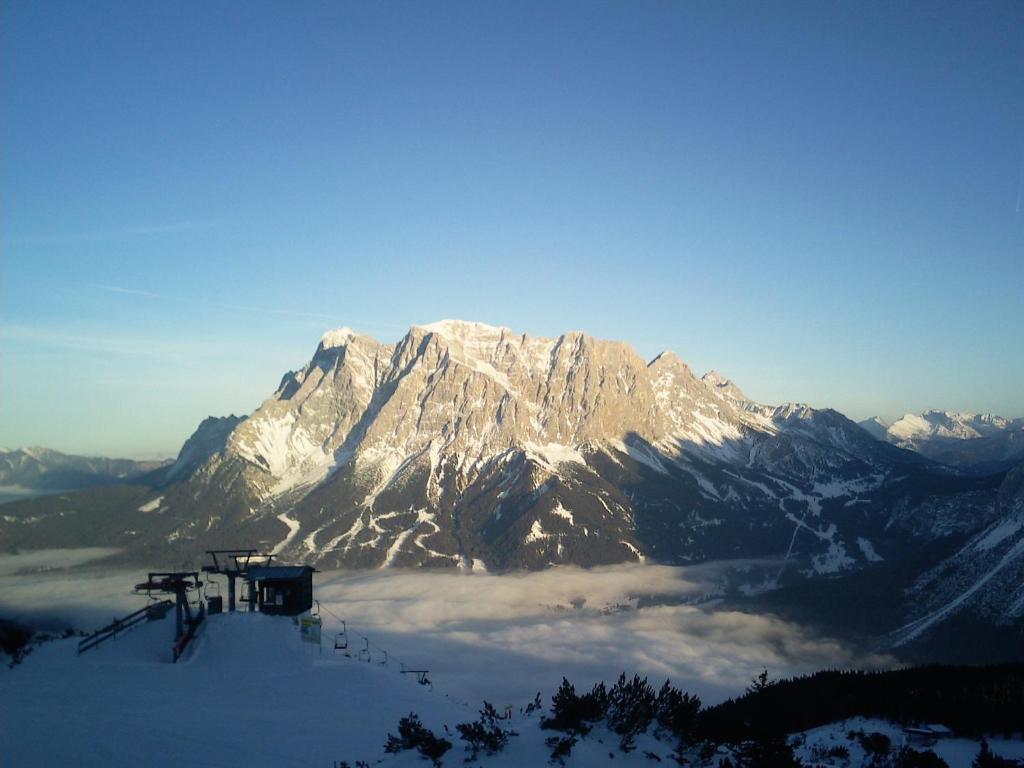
(421, 675)
(364, 653)
(211, 593)
(341, 639)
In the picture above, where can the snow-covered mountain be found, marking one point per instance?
(875, 426)
(961, 426)
(472, 446)
(466, 444)
(46, 470)
(979, 442)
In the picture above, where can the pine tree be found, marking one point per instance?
(677, 711)
(986, 758)
(759, 683)
(767, 752)
(484, 733)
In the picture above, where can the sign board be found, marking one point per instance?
(309, 627)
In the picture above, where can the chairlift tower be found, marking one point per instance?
(178, 583)
(234, 563)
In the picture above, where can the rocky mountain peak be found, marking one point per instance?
(466, 389)
(466, 439)
(339, 337)
(723, 386)
(464, 329)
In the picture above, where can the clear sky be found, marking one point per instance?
(821, 200)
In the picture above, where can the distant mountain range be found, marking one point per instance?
(41, 470)
(470, 446)
(976, 442)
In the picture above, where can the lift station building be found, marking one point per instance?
(282, 590)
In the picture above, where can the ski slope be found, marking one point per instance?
(251, 692)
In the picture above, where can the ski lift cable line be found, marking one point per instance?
(351, 630)
(388, 657)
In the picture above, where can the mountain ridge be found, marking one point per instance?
(470, 446)
(973, 442)
(42, 470)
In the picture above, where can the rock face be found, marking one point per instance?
(209, 439)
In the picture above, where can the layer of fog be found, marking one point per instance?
(19, 492)
(503, 638)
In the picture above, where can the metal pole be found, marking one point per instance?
(178, 625)
(231, 592)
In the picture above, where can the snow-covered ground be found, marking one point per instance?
(959, 753)
(250, 692)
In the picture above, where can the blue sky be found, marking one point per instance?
(821, 200)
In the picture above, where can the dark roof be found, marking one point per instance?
(275, 572)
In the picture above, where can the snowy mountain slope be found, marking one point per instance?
(209, 439)
(971, 441)
(124, 704)
(466, 445)
(875, 426)
(957, 752)
(465, 442)
(984, 578)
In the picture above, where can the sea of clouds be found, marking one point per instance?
(503, 638)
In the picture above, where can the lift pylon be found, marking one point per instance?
(234, 563)
(178, 583)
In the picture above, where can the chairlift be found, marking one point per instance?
(421, 675)
(211, 593)
(364, 653)
(341, 639)
(195, 596)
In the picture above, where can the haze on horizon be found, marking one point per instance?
(822, 202)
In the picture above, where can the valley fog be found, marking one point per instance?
(481, 636)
